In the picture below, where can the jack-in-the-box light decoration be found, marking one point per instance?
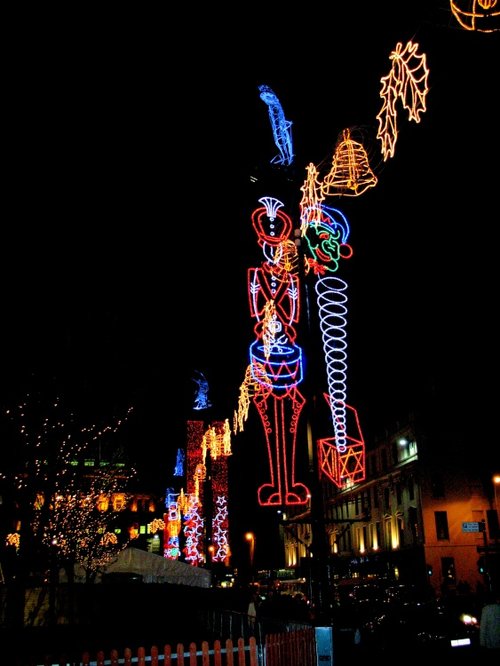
(326, 231)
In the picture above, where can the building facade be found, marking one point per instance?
(424, 514)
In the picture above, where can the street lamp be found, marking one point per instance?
(250, 537)
(496, 483)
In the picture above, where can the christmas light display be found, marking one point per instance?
(344, 464)
(216, 443)
(312, 196)
(275, 358)
(179, 463)
(326, 231)
(193, 528)
(187, 511)
(69, 505)
(172, 526)
(350, 174)
(201, 400)
(341, 458)
(13, 539)
(407, 81)
(220, 522)
(477, 15)
(247, 390)
(282, 128)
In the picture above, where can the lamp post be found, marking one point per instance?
(250, 537)
(496, 483)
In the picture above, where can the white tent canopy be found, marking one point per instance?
(157, 569)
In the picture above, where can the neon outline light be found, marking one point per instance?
(282, 128)
(342, 457)
(275, 359)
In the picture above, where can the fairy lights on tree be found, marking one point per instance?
(67, 505)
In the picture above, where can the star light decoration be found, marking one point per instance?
(407, 82)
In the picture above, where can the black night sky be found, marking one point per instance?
(126, 231)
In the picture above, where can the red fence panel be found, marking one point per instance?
(296, 648)
(288, 649)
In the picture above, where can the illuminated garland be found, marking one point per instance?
(248, 389)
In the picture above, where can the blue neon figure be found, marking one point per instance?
(201, 400)
(282, 128)
(179, 463)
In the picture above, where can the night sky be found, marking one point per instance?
(126, 232)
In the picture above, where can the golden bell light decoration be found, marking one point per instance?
(350, 174)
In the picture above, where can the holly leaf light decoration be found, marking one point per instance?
(407, 81)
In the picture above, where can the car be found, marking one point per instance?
(355, 604)
(419, 626)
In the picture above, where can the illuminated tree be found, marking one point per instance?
(66, 492)
(80, 522)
